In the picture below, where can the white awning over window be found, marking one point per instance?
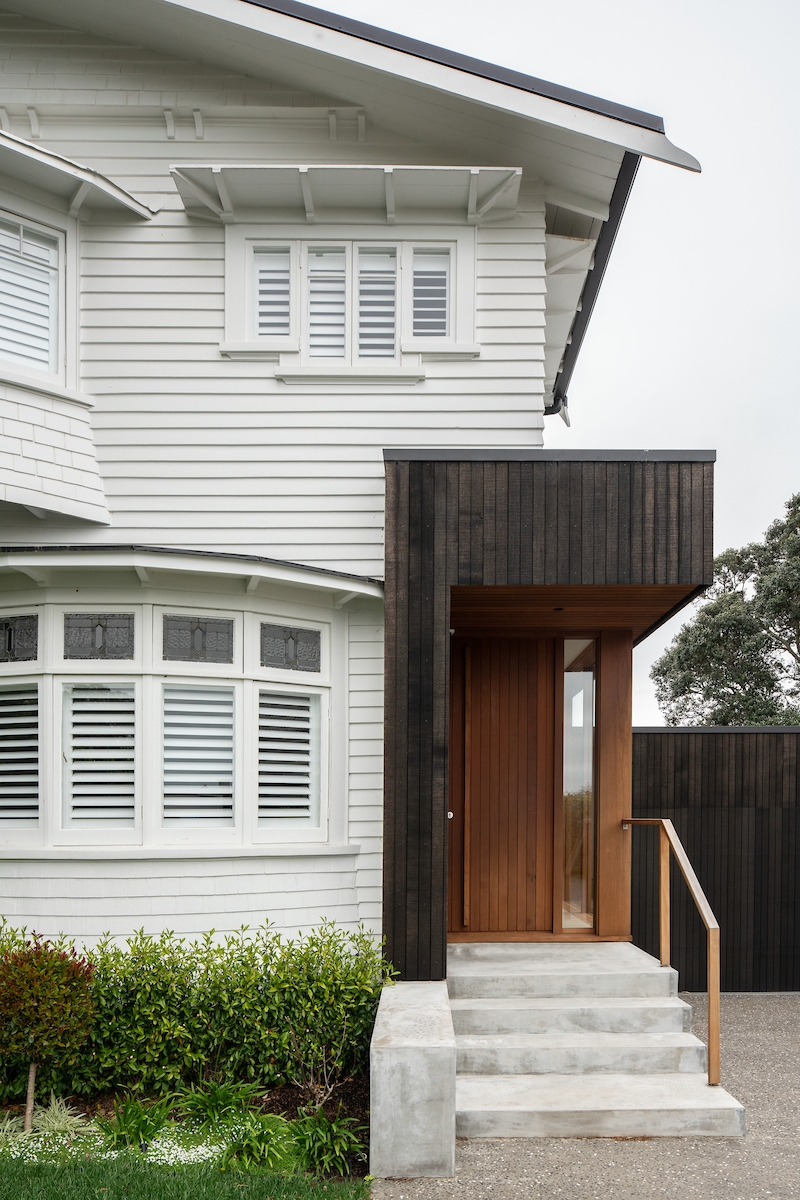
(61, 177)
(349, 194)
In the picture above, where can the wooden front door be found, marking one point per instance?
(502, 752)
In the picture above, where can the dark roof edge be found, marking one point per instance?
(462, 62)
(591, 287)
(253, 558)
(530, 454)
(716, 729)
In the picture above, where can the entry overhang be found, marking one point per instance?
(580, 609)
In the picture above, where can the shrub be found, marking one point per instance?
(215, 1102)
(46, 1009)
(328, 1145)
(134, 1124)
(58, 1117)
(256, 1009)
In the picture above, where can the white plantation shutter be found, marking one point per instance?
(28, 297)
(272, 293)
(377, 300)
(198, 754)
(19, 754)
(288, 738)
(326, 303)
(431, 293)
(98, 749)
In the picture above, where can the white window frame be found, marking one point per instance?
(65, 834)
(148, 674)
(57, 373)
(243, 241)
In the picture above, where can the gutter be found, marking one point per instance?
(602, 253)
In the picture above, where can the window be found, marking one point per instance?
(95, 635)
(327, 307)
(29, 290)
(19, 638)
(377, 303)
(288, 753)
(98, 754)
(290, 649)
(198, 754)
(198, 639)
(214, 733)
(431, 293)
(273, 295)
(19, 754)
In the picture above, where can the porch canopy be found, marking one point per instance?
(553, 541)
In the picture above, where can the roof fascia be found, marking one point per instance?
(496, 93)
(157, 558)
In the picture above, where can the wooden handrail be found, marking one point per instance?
(669, 841)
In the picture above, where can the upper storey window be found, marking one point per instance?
(351, 301)
(30, 262)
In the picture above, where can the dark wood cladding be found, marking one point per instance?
(622, 519)
(734, 796)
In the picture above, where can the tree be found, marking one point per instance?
(46, 1008)
(738, 661)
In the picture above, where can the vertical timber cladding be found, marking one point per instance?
(734, 797)
(514, 518)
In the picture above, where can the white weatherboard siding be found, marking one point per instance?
(199, 451)
(190, 896)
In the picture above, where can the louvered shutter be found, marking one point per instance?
(272, 269)
(19, 754)
(198, 754)
(28, 297)
(288, 737)
(377, 298)
(326, 303)
(431, 293)
(99, 750)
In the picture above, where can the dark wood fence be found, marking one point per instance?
(734, 797)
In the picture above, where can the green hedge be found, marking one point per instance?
(170, 1011)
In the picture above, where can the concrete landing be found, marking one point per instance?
(668, 1105)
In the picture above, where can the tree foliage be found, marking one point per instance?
(738, 661)
(46, 1007)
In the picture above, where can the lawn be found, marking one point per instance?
(139, 1180)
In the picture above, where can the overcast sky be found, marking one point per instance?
(694, 341)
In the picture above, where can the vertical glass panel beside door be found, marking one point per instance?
(579, 784)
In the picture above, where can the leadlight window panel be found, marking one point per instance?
(273, 293)
(198, 639)
(19, 638)
(377, 303)
(198, 755)
(19, 755)
(327, 289)
(290, 649)
(431, 307)
(28, 297)
(99, 635)
(288, 759)
(99, 745)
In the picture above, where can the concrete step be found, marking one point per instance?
(499, 969)
(574, 1053)
(680, 1105)
(653, 1014)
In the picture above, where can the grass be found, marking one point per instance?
(129, 1179)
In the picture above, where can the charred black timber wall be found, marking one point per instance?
(734, 797)
(501, 518)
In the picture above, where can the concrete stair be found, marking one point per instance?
(577, 1040)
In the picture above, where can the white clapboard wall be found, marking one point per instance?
(199, 451)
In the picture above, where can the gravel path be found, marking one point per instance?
(760, 1067)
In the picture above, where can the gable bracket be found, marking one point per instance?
(496, 194)
(308, 200)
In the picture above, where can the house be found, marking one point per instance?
(287, 301)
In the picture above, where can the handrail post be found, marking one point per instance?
(713, 1007)
(664, 914)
